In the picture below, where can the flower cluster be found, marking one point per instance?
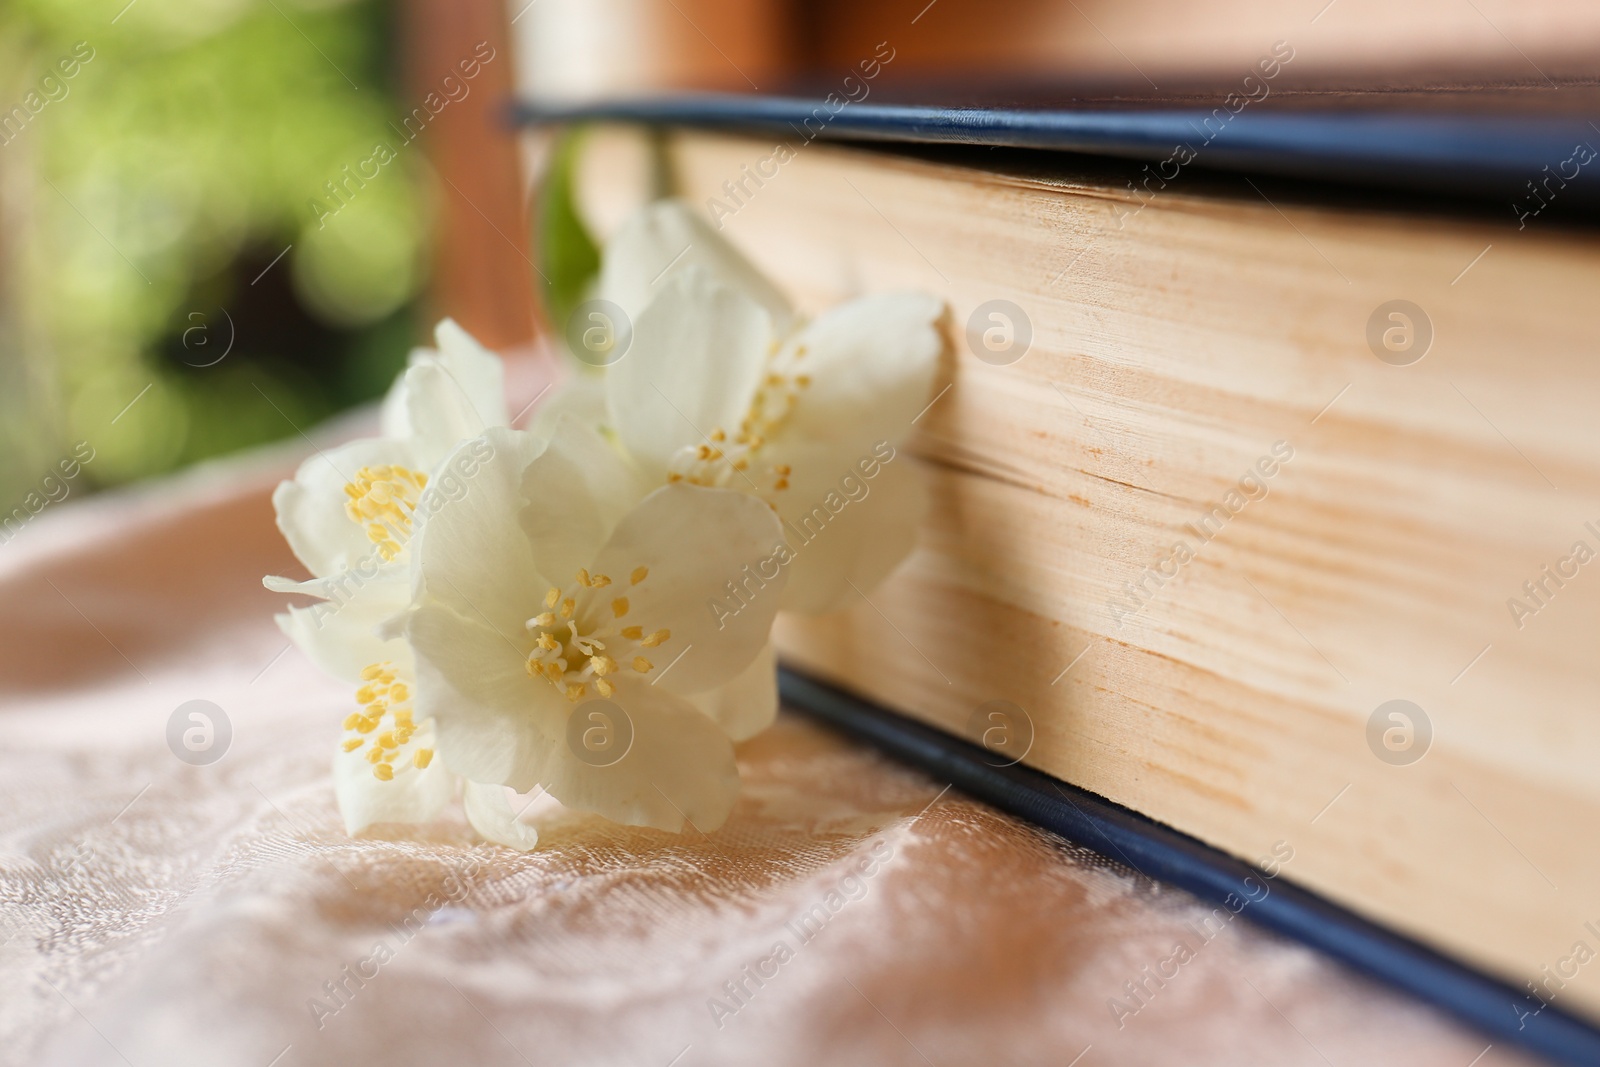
(585, 607)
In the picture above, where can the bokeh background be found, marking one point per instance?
(187, 267)
(144, 203)
(191, 262)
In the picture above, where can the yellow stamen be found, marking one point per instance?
(619, 606)
(575, 692)
(600, 581)
(384, 772)
(352, 744)
(386, 739)
(548, 642)
(567, 607)
(351, 719)
(642, 665)
(552, 597)
(382, 499)
(583, 577)
(374, 754)
(398, 692)
(656, 638)
(421, 758)
(371, 670)
(639, 574)
(604, 687)
(603, 664)
(633, 633)
(545, 618)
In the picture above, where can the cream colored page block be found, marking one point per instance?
(1169, 355)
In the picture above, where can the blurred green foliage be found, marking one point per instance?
(569, 255)
(143, 209)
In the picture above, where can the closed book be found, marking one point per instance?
(1266, 509)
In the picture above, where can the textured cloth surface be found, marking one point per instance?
(159, 913)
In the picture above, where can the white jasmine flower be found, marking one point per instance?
(546, 596)
(349, 515)
(387, 768)
(665, 237)
(350, 511)
(723, 387)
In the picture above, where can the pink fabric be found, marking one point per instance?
(157, 913)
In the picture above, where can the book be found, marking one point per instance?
(1492, 138)
(1266, 510)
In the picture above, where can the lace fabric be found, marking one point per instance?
(851, 911)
